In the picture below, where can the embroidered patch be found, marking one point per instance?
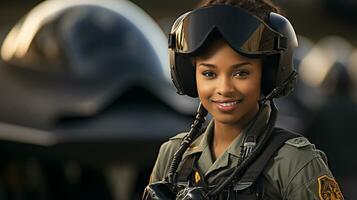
(329, 189)
(197, 177)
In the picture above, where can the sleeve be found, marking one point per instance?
(156, 174)
(164, 158)
(314, 182)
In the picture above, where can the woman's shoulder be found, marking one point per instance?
(297, 149)
(173, 143)
(296, 153)
(169, 147)
(297, 165)
(165, 156)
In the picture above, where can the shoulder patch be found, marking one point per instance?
(329, 189)
(298, 142)
(179, 136)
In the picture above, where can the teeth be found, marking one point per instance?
(229, 103)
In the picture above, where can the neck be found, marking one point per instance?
(223, 136)
(225, 133)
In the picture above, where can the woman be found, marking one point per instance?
(236, 56)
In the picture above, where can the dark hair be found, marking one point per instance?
(259, 8)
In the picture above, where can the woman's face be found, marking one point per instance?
(228, 84)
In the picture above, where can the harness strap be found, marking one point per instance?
(277, 140)
(247, 186)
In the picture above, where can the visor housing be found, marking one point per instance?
(244, 32)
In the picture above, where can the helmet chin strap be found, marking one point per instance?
(277, 90)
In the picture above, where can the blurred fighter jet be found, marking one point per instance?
(333, 126)
(85, 101)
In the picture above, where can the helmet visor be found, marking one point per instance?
(244, 32)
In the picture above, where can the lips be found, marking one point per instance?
(227, 105)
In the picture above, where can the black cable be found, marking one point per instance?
(192, 134)
(279, 89)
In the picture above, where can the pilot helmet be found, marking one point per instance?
(250, 36)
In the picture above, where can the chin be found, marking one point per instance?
(228, 120)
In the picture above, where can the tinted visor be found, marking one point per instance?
(244, 32)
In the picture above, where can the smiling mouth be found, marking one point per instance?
(228, 103)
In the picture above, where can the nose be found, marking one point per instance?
(225, 87)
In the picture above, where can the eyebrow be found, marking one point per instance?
(233, 66)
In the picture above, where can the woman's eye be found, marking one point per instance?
(241, 74)
(209, 74)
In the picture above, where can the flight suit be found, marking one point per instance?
(297, 171)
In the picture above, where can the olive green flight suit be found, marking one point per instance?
(297, 172)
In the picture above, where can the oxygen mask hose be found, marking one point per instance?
(192, 134)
